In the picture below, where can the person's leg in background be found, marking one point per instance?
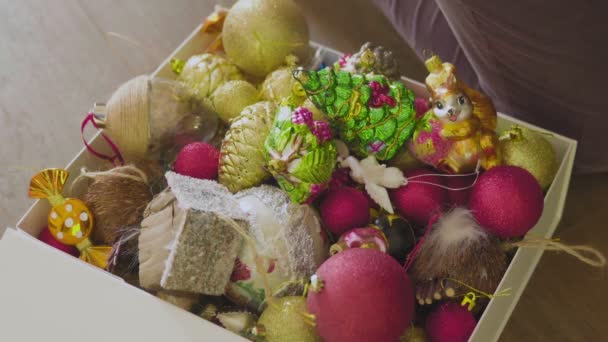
(540, 61)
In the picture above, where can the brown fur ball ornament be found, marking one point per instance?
(117, 198)
(457, 251)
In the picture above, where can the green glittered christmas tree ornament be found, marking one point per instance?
(300, 153)
(373, 115)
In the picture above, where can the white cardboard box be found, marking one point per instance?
(47, 295)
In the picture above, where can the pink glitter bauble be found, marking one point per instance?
(450, 322)
(366, 296)
(416, 201)
(344, 209)
(507, 201)
(198, 160)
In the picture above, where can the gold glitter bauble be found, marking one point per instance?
(278, 85)
(529, 150)
(259, 34)
(414, 334)
(287, 321)
(203, 74)
(232, 97)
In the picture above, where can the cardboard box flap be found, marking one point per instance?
(51, 296)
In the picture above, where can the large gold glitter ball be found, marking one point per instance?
(259, 34)
(287, 320)
(530, 150)
(232, 97)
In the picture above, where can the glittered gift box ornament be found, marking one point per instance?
(187, 242)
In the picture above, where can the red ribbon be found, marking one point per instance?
(113, 159)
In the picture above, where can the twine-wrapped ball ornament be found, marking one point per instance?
(530, 150)
(259, 34)
(142, 115)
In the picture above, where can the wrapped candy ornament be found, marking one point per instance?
(459, 130)
(243, 145)
(372, 59)
(288, 236)
(530, 150)
(300, 153)
(372, 115)
(70, 221)
(259, 34)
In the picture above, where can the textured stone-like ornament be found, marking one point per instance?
(371, 114)
(188, 242)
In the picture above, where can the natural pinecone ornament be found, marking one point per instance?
(241, 154)
(300, 153)
(372, 59)
(373, 116)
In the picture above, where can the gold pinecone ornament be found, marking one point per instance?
(241, 154)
